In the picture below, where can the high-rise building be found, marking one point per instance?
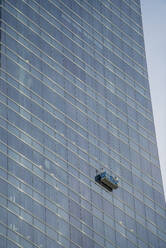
(74, 103)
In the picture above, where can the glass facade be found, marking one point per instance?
(74, 100)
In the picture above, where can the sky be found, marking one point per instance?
(154, 24)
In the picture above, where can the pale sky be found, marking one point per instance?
(154, 24)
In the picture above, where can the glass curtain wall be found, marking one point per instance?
(74, 101)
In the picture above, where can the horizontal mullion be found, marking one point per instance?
(54, 107)
(136, 69)
(79, 45)
(111, 10)
(83, 104)
(100, 209)
(72, 166)
(33, 226)
(132, 7)
(114, 25)
(54, 69)
(94, 144)
(127, 16)
(74, 42)
(118, 90)
(8, 238)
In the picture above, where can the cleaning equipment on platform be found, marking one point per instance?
(107, 181)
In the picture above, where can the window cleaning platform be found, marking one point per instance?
(107, 181)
